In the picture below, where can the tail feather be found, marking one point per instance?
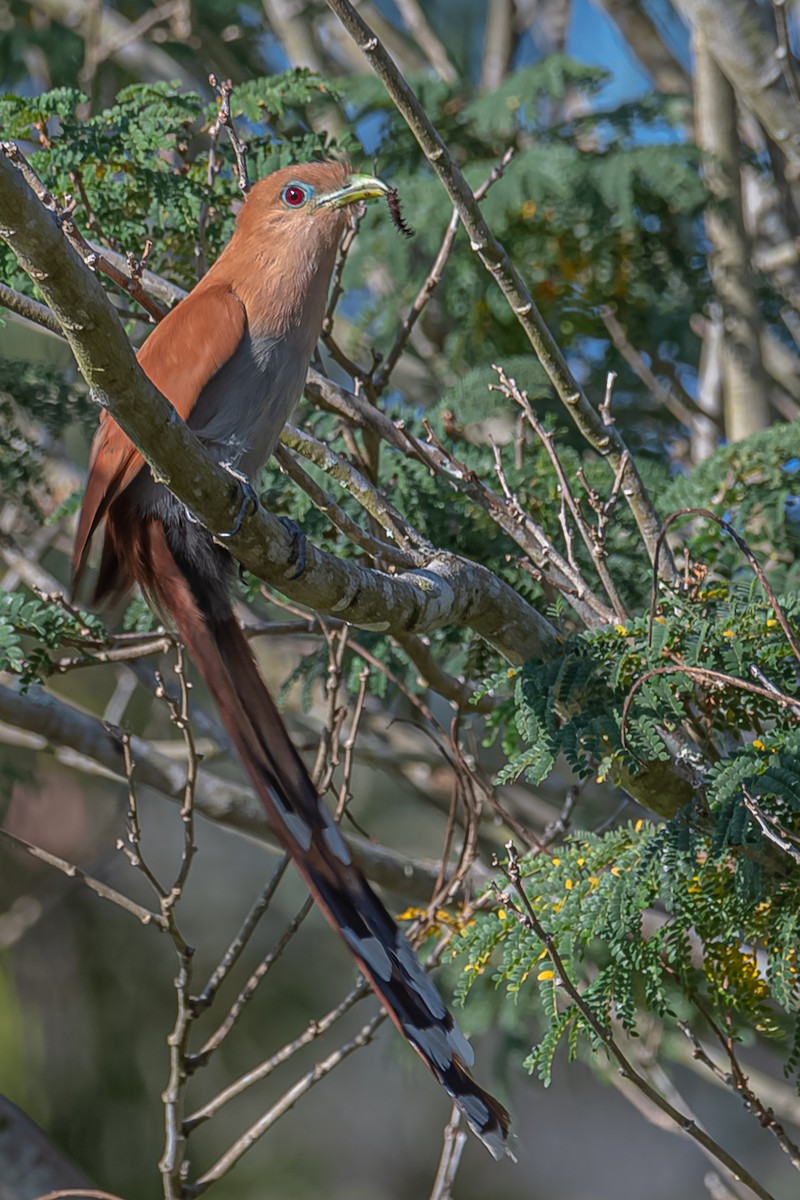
(302, 823)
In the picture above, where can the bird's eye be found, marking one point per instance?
(295, 195)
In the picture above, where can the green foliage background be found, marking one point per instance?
(593, 216)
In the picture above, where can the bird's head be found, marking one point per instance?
(307, 202)
(280, 260)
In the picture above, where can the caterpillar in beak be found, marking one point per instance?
(393, 200)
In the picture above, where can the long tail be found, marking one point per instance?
(221, 653)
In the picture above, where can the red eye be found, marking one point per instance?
(294, 195)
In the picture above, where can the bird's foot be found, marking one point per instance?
(297, 557)
(249, 501)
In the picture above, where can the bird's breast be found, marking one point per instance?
(241, 411)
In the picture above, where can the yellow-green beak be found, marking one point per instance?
(359, 187)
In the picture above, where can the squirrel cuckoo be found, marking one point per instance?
(232, 359)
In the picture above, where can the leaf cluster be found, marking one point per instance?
(31, 627)
(602, 898)
(139, 169)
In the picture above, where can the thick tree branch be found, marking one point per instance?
(745, 391)
(87, 744)
(449, 590)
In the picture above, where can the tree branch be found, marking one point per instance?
(87, 744)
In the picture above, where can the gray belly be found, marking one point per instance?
(240, 413)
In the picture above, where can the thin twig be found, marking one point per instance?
(746, 551)
(380, 378)
(261, 1071)
(145, 915)
(260, 906)
(739, 1084)
(595, 543)
(287, 1101)
(224, 91)
(132, 850)
(455, 1139)
(78, 1194)
(349, 745)
(337, 287)
(246, 994)
(376, 548)
(696, 422)
(528, 535)
(172, 1164)
(771, 828)
(328, 743)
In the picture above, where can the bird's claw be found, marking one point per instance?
(297, 557)
(249, 501)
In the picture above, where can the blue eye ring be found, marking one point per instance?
(296, 194)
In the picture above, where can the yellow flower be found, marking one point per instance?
(545, 975)
(556, 862)
(638, 826)
(581, 862)
(615, 871)
(568, 884)
(758, 744)
(501, 912)
(621, 630)
(728, 633)
(771, 622)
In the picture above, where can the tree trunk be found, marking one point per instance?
(745, 392)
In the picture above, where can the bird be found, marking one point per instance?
(232, 359)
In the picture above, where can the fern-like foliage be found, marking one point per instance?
(602, 899)
(30, 628)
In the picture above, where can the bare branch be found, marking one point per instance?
(455, 1139)
(224, 91)
(142, 914)
(432, 279)
(594, 543)
(86, 744)
(288, 1101)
